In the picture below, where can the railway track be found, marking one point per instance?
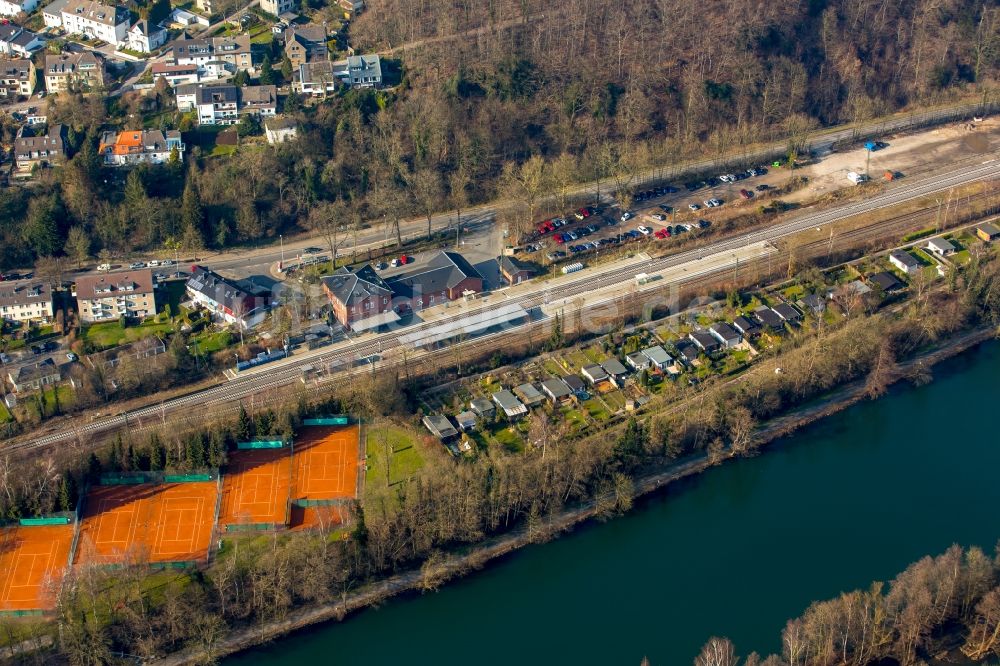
(283, 373)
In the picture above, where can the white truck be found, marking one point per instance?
(857, 178)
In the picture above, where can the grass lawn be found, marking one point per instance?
(5, 415)
(794, 292)
(404, 458)
(595, 354)
(577, 358)
(596, 410)
(615, 400)
(110, 334)
(66, 400)
(553, 368)
(213, 342)
(510, 439)
(574, 417)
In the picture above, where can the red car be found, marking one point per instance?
(746, 194)
(662, 233)
(559, 239)
(404, 259)
(584, 211)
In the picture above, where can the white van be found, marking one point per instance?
(104, 267)
(856, 177)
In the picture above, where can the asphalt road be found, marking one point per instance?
(284, 372)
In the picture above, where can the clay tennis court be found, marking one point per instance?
(256, 487)
(318, 517)
(33, 561)
(326, 463)
(169, 522)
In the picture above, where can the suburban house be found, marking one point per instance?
(658, 357)
(259, 100)
(110, 296)
(52, 13)
(745, 326)
(466, 421)
(988, 232)
(557, 390)
(440, 426)
(704, 341)
(725, 334)
(280, 130)
(594, 373)
(617, 372)
(78, 71)
(184, 19)
(305, 43)
(688, 351)
(483, 408)
(814, 303)
(17, 78)
(364, 71)
(575, 383)
(529, 395)
(234, 53)
(35, 376)
(637, 361)
(513, 271)
(448, 276)
(144, 37)
(768, 318)
(140, 146)
(15, 7)
(941, 247)
(353, 6)
(176, 75)
(510, 405)
(227, 300)
(94, 19)
(787, 312)
(886, 281)
(277, 7)
(361, 299)
(17, 42)
(139, 350)
(25, 300)
(904, 261)
(45, 150)
(315, 78)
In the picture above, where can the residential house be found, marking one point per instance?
(110, 296)
(854, 286)
(746, 327)
(259, 100)
(46, 150)
(704, 341)
(25, 300)
(448, 276)
(176, 75)
(215, 105)
(17, 42)
(813, 303)
(483, 408)
(230, 302)
(35, 376)
(941, 247)
(594, 373)
(988, 232)
(466, 421)
(787, 312)
(145, 37)
(52, 13)
(184, 19)
(510, 405)
(15, 7)
(513, 271)
(277, 7)
(140, 350)
(84, 70)
(725, 334)
(638, 361)
(317, 79)
(305, 43)
(768, 318)
(557, 390)
(440, 426)
(231, 54)
(575, 384)
(904, 261)
(617, 372)
(352, 6)
(93, 19)
(140, 147)
(658, 357)
(280, 130)
(17, 78)
(886, 281)
(529, 395)
(688, 352)
(364, 71)
(360, 298)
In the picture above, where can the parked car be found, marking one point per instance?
(405, 259)
(704, 224)
(70, 356)
(5, 359)
(763, 187)
(746, 194)
(694, 206)
(554, 256)
(104, 267)
(644, 230)
(559, 238)
(166, 262)
(381, 266)
(662, 233)
(312, 250)
(659, 217)
(666, 209)
(626, 216)
(136, 265)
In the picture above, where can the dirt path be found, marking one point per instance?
(457, 565)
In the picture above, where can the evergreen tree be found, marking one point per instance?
(267, 73)
(192, 217)
(93, 467)
(244, 426)
(65, 501)
(286, 69)
(631, 445)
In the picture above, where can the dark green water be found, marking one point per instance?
(735, 552)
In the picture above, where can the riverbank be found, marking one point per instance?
(454, 565)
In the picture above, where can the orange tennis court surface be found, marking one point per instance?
(326, 463)
(33, 561)
(318, 517)
(256, 487)
(169, 522)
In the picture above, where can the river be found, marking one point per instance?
(734, 552)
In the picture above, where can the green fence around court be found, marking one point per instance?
(21, 613)
(45, 520)
(262, 444)
(188, 478)
(339, 419)
(136, 478)
(304, 503)
(254, 527)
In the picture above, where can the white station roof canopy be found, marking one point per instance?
(469, 325)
